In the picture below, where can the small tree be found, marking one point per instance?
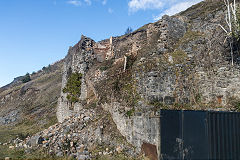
(47, 69)
(128, 30)
(26, 78)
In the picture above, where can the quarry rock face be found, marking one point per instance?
(81, 57)
(142, 127)
(180, 62)
(78, 60)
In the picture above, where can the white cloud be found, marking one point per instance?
(170, 7)
(78, 2)
(89, 2)
(110, 10)
(135, 5)
(74, 2)
(176, 8)
(104, 2)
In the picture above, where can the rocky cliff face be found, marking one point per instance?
(87, 53)
(179, 62)
(79, 59)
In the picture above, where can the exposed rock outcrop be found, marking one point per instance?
(179, 62)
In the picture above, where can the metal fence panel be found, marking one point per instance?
(199, 135)
(170, 134)
(195, 135)
(224, 135)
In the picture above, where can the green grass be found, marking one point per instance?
(189, 36)
(46, 78)
(38, 154)
(120, 157)
(7, 133)
(179, 56)
(203, 9)
(26, 127)
(130, 112)
(21, 130)
(12, 153)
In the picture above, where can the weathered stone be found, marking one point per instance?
(138, 129)
(59, 154)
(169, 100)
(11, 117)
(35, 140)
(119, 149)
(86, 118)
(83, 157)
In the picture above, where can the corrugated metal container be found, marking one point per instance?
(197, 135)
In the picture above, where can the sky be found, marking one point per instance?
(36, 33)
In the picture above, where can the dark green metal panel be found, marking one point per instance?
(224, 135)
(195, 135)
(199, 135)
(170, 134)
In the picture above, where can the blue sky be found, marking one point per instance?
(35, 33)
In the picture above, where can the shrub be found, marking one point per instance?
(128, 30)
(23, 136)
(73, 87)
(47, 69)
(130, 112)
(235, 103)
(106, 65)
(156, 103)
(26, 78)
(103, 68)
(130, 61)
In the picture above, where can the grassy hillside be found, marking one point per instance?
(26, 108)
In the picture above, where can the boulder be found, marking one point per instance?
(35, 140)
